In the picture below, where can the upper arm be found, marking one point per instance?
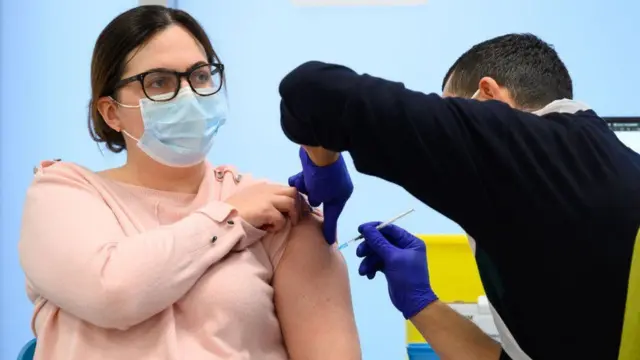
(59, 212)
(313, 299)
(461, 157)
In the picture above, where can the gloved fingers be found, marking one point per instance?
(297, 181)
(331, 214)
(370, 265)
(376, 240)
(293, 178)
(364, 250)
(329, 232)
(368, 225)
(313, 201)
(345, 185)
(400, 237)
(371, 275)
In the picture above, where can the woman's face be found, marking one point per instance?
(173, 49)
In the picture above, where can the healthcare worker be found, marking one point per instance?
(548, 192)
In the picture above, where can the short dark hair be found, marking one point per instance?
(122, 35)
(524, 64)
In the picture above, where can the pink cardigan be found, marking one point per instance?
(123, 272)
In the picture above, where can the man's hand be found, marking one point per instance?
(329, 185)
(402, 258)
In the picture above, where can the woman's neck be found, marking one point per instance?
(153, 175)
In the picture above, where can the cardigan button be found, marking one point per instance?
(213, 239)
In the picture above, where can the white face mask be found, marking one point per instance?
(180, 132)
(475, 94)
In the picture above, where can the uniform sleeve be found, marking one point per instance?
(74, 253)
(482, 164)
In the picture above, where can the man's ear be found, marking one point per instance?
(489, 89)
(107, 107)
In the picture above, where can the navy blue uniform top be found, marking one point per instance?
(552, 201)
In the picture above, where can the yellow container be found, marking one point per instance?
(453, 271)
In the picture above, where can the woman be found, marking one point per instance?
(168, 257)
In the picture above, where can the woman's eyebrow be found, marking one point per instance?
(159, 69)
(195, 65)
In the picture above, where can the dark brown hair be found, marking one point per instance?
(523, 63)
(124, 34)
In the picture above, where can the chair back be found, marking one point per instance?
(28, 350)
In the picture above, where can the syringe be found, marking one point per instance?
(384, 224)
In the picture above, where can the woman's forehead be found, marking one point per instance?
(173, 48)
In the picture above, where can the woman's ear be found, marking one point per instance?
(107, 107)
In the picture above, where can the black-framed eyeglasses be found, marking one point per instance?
(164, 84)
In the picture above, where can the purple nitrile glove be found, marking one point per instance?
(402, 258)
(328, 185)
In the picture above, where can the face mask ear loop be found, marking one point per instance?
(124, 105)
(129, 107)
(130, 136)
(473, 97)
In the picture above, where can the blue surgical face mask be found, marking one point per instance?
(180, 132)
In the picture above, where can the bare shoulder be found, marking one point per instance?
(313, 298)
(307, 246)
(310, 224)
